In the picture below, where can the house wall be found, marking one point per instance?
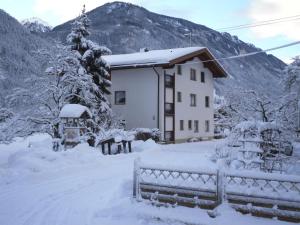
(140, 85)
(183, 110)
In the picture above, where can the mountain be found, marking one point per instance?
(19, 63)
(126, 28)
(36, 25)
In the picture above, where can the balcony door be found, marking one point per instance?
(169, 107)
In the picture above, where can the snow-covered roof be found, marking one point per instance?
(166, 57)
(74, 111)
(150, 57)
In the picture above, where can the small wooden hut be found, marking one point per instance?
(75, 123)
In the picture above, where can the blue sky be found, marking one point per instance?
(212, 13)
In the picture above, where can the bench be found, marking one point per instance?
(108, 142)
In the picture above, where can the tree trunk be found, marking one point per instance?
(56, 133)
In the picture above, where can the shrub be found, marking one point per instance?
(145, 133)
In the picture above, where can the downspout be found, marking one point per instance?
(158, 95)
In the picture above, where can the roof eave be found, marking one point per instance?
(218, 71)
(135, 66)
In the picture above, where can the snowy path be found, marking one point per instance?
(71, 199)
(85, 188)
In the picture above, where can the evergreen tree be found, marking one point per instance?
(93, 66)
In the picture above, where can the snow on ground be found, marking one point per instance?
(83, 187)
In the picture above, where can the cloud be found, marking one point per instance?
(64, 10)
(260, 10)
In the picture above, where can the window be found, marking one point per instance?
(202, 77)
(190, 125)
(193, 74)
(193, 100)
(179, 70)
(120, 97)
(179, 96)
(181, 125)
(196, 126)
(207, 126)
(207, 101)
(169, 81)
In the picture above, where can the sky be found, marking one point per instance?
(215, 14)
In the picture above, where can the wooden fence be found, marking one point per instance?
(261, 194)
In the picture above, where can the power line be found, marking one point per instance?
(257, 24)
(261, 23)
(247, 54)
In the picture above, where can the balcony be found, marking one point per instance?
(169, 109)
(169, 81)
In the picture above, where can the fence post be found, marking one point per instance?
(220, 186)
(136, 179)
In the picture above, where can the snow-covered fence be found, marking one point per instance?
(262, 194)
(265, 194)
(175, 186)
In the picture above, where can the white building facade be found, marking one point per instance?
(171, 90)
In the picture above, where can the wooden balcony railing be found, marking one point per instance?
(169, 109)
(169, 81)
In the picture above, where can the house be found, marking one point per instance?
(171, 90)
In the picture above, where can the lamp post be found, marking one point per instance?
(190, 35)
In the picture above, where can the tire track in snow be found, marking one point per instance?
(56, 205)
(51, 203)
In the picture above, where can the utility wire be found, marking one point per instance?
(249, 25)
(262, 23)
(247, 54)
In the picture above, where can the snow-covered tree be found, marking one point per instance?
(77, 75)
(5, 114)
(290, 108)
(65, 79)
(244, 105)
(48, 94)
(260, 106)
(92, 66)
